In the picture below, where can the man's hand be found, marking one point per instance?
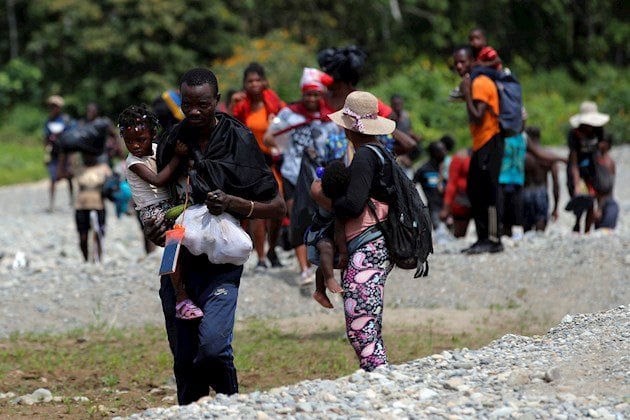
(181, 149)
(155, 230)
(217, 202)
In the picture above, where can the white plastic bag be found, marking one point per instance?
(221, 237)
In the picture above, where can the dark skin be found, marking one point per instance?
(139, 144)
(477, 41)
(463, 64)
(199, 104)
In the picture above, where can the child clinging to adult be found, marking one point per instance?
(139, 127)
(485, 55)
(327, 232)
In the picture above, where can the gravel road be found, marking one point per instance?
(45, 286)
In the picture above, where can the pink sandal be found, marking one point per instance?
(187, 310)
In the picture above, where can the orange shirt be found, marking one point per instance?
(257, 122)
(484, 89)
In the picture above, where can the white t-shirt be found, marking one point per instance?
(145, 194)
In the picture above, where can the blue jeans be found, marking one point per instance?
(202, 349)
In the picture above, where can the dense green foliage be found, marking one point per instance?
(118, 52)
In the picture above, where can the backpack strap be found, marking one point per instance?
(378, 152)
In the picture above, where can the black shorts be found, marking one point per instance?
(82, 217)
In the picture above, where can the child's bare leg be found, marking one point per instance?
(320, 290)
(326, 250)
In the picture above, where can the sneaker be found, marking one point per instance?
(307, 276)
(261, 266)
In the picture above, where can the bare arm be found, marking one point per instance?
(488, 63)
(219, 202)
(544, 154)
(555, 178)
(404, 142)
(160, 179)
(574, 171)
(476, 109)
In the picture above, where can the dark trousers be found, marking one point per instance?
(202, 349)
(511, 207)
(483, 188)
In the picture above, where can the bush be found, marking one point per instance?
(19, 82)
(282, 59)
(549, 97)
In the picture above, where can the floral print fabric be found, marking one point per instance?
(364, 283)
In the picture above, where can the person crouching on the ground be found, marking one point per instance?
(482, 103)
(229, 175)
(90, 206)
(363, 280)
(139, 127)
(327, 232)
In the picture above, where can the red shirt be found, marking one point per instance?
(456, 185)
(488, 54)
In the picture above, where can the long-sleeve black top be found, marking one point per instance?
(367, 179)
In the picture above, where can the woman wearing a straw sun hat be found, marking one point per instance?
(587, 130)
(363, 280)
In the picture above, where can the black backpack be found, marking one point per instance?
(407, 229)
(510, 99)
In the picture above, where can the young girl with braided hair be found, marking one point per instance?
(139, 127)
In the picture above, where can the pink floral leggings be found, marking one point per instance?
(363, 282)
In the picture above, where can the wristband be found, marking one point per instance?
(251, 209)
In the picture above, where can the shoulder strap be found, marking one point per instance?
(378, 152)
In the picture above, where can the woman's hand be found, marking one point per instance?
(218, 202)
(155, 230)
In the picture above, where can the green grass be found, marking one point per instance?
(21, 162)
(118, 369)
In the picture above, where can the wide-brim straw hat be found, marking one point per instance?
(360, 114)
(55, 100)
(589, 115)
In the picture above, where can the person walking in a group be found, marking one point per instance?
(229, 175)
(298, 128)
(57, 163)
(255, 108)
(482, 104)
(90, 207)
(363, 280)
